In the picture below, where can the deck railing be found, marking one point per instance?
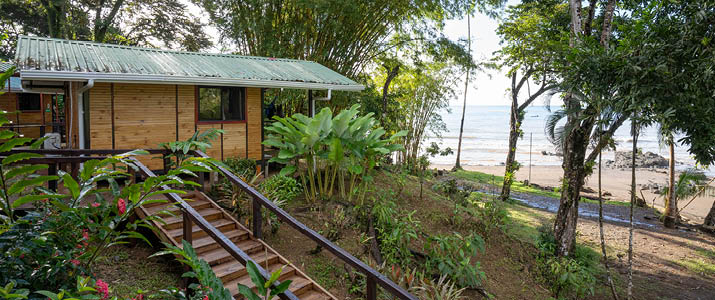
(191, 216)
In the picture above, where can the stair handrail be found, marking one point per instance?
(189, 213)
(373, 277)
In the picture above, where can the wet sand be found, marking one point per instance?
(615, 181)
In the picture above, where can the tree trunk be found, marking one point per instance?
(671, 204)
(574, 174)
(457, 163)
(391, 74)
(710, 218)
(510, 169)
(634, 128)
(600, 227)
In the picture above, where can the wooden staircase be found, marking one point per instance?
(223, 264)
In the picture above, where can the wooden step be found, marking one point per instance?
(177, 221)
(223, 225)
(233, 270)
(220, 255)
(174, 208)
(299, 285)
(314, 295)
(207, 243)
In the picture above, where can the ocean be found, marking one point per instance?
(486, 132)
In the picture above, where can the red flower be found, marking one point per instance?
(206, 297)
(121, 206)
(95, 204)
(139, 297)
(85, 234)
(103, 288)
(75, 262)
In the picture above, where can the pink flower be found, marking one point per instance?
(95, 204)
(75, 262)
(103, 288)
(85, 234)
(138, 297)
(121, 206)
(206, 297)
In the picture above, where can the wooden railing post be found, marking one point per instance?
(187, 227)
(167, 162)
(371, 288)
(52, 171)
(257, 219)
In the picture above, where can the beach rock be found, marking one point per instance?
(643, 160)
(557, 153)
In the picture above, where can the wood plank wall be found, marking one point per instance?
(8, 102)
(145, 115)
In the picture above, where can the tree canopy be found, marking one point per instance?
(152, 23)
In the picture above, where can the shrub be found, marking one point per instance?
(565, 275)
(453, 256)
(490, 211)
(442, 289)
(280, 188)
(395, 231)
(242, 167)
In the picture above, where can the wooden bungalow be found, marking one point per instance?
(121, 97)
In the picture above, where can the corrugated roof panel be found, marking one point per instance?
(54, 58)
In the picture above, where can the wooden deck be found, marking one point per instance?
(223, 264)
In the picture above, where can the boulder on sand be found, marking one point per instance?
(643, 160)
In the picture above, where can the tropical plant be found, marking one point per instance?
(280, 188)
(395, 231)
(241, 167)
(198, 141)
(332, 148)
(452, 256)
(266, 288)
(442, 289)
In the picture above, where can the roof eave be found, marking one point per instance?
(163, 79)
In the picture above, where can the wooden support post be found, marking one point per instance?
(187, 227)
(52, 184)
(167, 162)
(371, 288)
(202, 181)
(74, 170)
(257, 219)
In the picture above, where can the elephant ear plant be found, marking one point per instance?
(333, 148)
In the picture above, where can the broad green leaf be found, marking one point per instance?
(256, 277)
(288, 170)
(19, 186)
(24, 170)
(12, 158)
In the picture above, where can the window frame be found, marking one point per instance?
(19, 100)
(198, 107)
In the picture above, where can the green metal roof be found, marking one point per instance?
(4, 66)
(55, 59)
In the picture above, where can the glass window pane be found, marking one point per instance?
(233, 105)
(29, 101)
(210, 104)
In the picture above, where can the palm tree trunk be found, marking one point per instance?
(671, 204)
(457, 164)
(710, 218)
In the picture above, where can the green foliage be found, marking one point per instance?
(442, 289)
(198, 141)
(395, 231)
(241, 167)
(565, 276)
(346, 145)
(267, 289)
(491, 212)
(280, 188)
(453, 256)
(86, 288)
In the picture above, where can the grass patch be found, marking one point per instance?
(699, 266)
(128, 269)
(706, 253)
(518, 186)
(324, 272)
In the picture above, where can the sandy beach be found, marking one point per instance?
(615, 181)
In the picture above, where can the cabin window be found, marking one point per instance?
(218, 104)
(29, 102)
